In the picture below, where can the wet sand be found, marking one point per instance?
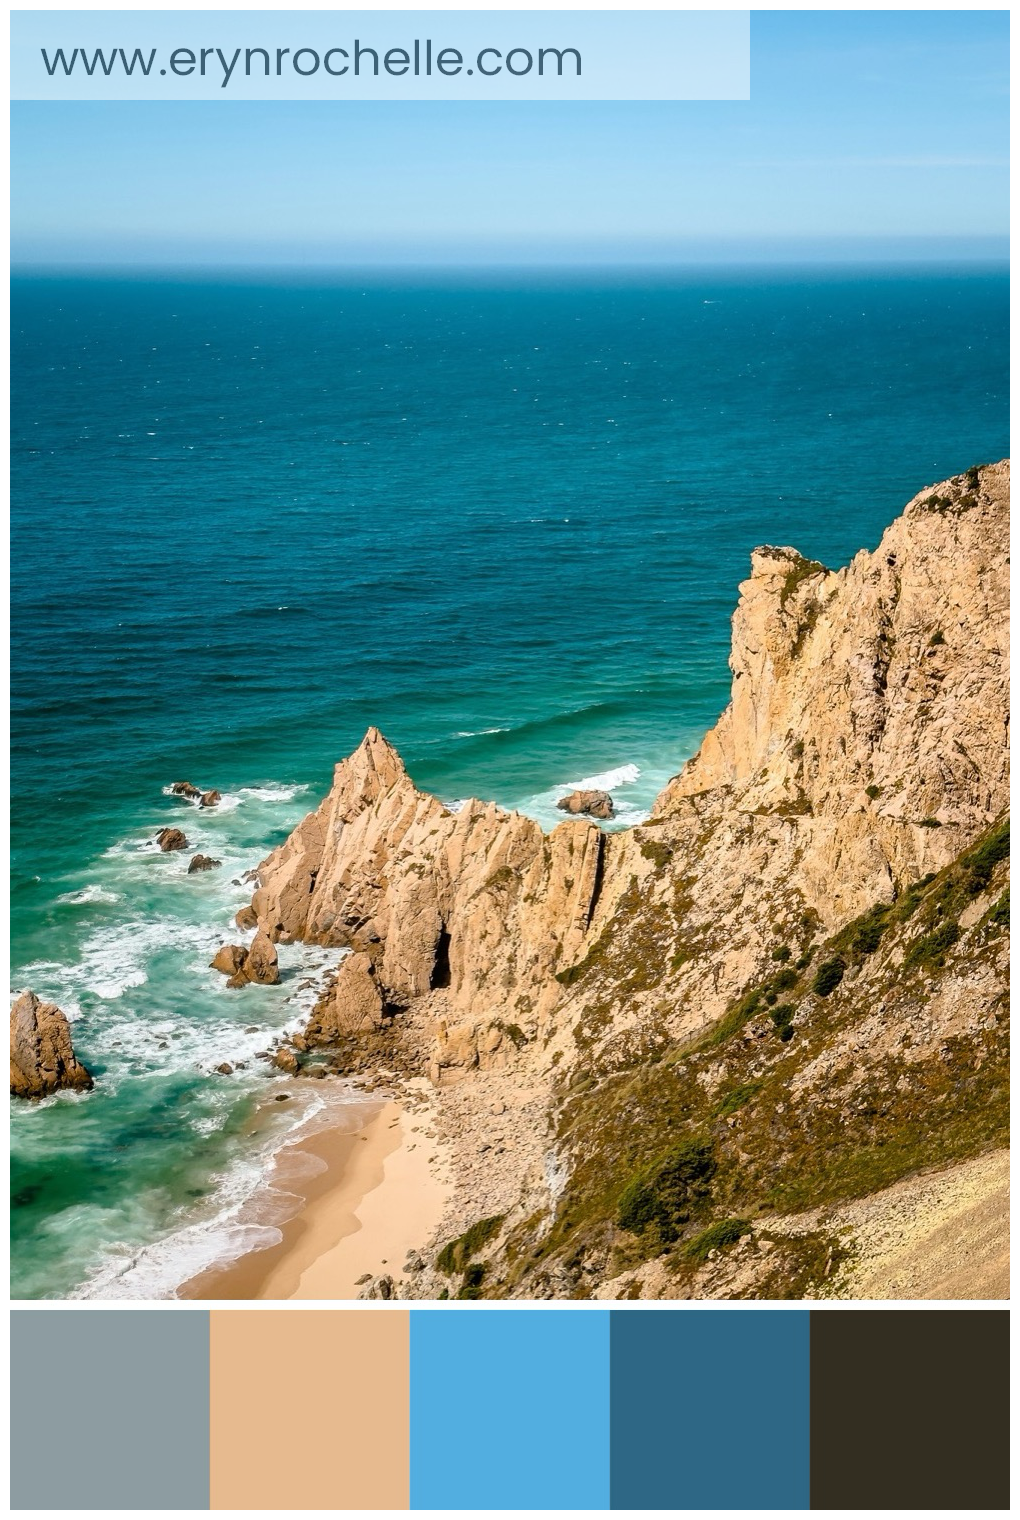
(377, 1198)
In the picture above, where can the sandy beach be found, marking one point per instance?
(381, 1195)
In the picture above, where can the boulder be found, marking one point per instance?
(379, 1287)
(594, 804)
(210, 799)
(185, 789)
(286, 1060)
(245, 918)
(42, 1056)
(203, 863)
(229, 959)
(353, 1005)
(262, 964)
(171, 839)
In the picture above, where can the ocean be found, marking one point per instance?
(501, 517)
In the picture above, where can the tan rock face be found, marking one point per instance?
(353, 1005)
(209, 799)
(478, 902)
(863, 748)
(258, 963)
(869, 704)
(594, 804)
(42, 1057)
(171, 839)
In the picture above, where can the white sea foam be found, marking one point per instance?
(90, 894)
(606, 781)
(273, 793)
(244, 1213)
(474, 733)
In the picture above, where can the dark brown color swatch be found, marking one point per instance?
(910, 1409)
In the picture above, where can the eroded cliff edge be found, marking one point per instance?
(786, 990)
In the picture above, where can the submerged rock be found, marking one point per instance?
(594, 804)
(203, 863)
(171, 839)
(42, 1056)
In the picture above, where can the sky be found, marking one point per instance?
(886, 130)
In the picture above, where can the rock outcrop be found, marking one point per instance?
(814, 912)
(594, 804)
(185, 789)
(209, 799)
(202, 863)
(171, 839)
(243, 964)
(42, 1056)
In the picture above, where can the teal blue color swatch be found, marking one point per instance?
(510, 1409)
(710, 1409)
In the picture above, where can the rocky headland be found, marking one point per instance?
(666, 1058)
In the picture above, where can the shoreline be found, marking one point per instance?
(378, 1196)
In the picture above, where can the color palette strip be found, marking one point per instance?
(524, 1408)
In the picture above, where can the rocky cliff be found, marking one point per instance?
(794, 970)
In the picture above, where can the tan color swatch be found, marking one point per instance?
(309, 1409)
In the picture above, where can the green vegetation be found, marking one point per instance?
(930, 823)
(725, 1232)
(655, 850)
(873, 791)
(802, 570)
(665, 1195)
(931, 948)
(999, 914)
(514, 1033)
(981, 861)
(663, 1138)
(735, 1099)
(474, 1276)
(456, 1254)
(828, 976)
(937, 638)
(782, 953)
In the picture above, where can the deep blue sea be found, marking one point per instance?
(503, 518)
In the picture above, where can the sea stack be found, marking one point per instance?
(42, 1056)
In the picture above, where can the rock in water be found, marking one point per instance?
(42, 1056)
(210, 799)
(246, 918)
(171, 839)
(257, 964)
(185, 789)
(203, 863)
(262, 964)
(594, 803)
(229, 959)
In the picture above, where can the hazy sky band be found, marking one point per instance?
(887, 126)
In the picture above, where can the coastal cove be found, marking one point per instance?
(504, 524)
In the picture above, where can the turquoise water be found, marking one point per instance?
(503, 520)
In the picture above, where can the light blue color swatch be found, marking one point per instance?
(510, 1409)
